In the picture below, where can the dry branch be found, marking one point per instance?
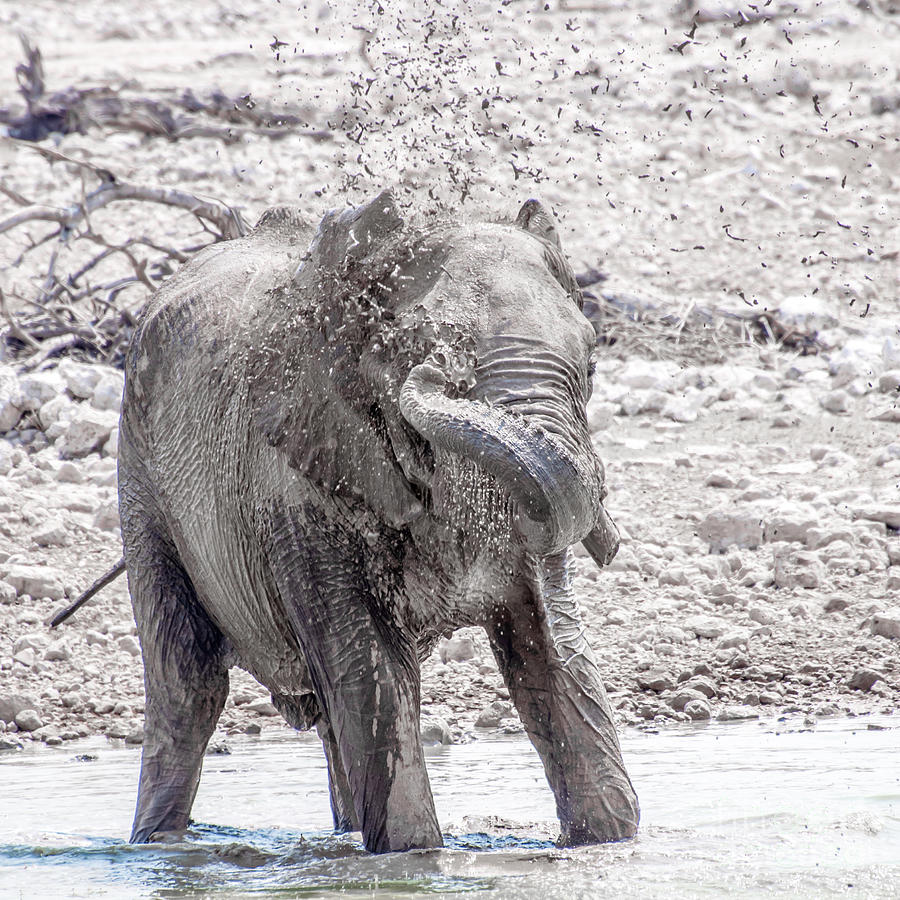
(76, 303)
(173, 115)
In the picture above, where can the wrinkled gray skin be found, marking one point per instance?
(329, 457)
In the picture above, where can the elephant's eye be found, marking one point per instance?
(592, 365)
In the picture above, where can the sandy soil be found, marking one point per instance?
(701, 157)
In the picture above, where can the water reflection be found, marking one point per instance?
(743, 809)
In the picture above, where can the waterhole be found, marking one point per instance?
(737, 810)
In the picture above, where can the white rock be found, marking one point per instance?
(107, 517)
(52, 533)
(730, 526)
(706, 626)
(6, 458)
(262, 708)
(59, 409)
(888, 514)
(835, 401)
(886, 623)
(88, 431)
(111, 447)
(129, 645)
(888, 382)
(26, 657)
(791, 525)
(57, 651)
(108, 391)
(647, 373)
(69, 473)
(36, 581)
(799, 568)
(33, 641)
(683, 409)
(458, 648)
(807, 312)
(762, 615)
(890, 353)
(28, 720)
(8, 593)
(434, 730)
(39, 387)
(10, 407)
(80, 379)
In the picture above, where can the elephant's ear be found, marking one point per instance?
(534, 219)
(346, 238)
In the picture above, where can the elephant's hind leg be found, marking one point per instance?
(185, 682)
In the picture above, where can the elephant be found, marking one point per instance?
(337, 444)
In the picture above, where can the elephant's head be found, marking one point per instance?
(472, 339)
(491, 362)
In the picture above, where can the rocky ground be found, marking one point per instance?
(705, 156)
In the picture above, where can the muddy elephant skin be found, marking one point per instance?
(337, 444)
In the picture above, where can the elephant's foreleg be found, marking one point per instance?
(185, 682)
(365, 673)
(553, 679)
(342, 810)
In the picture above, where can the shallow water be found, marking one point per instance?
(744, 809)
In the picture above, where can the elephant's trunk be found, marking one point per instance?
(556, 492)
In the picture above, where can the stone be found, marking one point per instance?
(863, 679)
(656, 680)
(435, 730)
(7, 743)
(107, 516)
(790, 526)
(25, 657)
(762, 615)
(58, 651)
(36, 581)
(736, 714)
(683, 696)
(889, 514)
(458, 648)
(6, 458)
(494, 713)
(800, 568)
(647, 373)
(720, 479)
(38, 388)
(107, 392)
(129, 645)
(8, 593)
(698, 710)
(262, 708)
(889, 382)
(807, 312)
(89, 429)
(835, 401)
(886, 623)
(79, 378)
(734, 639)
(95, 637)
(28, 720)
(12, 704)
(111, 447)
(835, 604)
(702, 684)
(59, 410)
(723, 528)
(10, 407)
(34, 641)
(705, 626)
(52, 533)
(69, 473)
(135, 736)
